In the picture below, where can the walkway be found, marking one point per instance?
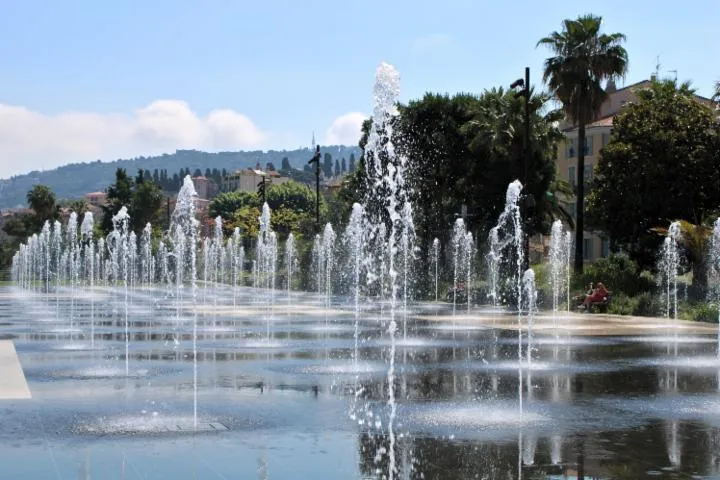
(12, 379)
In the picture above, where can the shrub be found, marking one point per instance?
(700, 312)
(646, 304)
(544, 286)
(621, 304)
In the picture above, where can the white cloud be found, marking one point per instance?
(345, 129)
(32, 140)
(431, 41)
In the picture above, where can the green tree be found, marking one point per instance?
(694, 240)
(285, 165)
(496, 140)
(327, 166)
(583, 58)
(660, 165)
(142, 197)
(227, 203)
(351, 163)
(19, 227)
(466, 149)
(119, 194)
(78, 205)
(42, 201)
(293, 196)
(145, 206)
(247, 219)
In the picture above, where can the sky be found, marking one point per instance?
(87, 80)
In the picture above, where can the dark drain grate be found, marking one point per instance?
(201, 427)
(153, 428)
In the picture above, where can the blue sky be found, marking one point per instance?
(81, 80)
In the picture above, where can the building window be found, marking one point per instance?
(588, 174)
(572, 178)
(605, 139)
(605, 247)
(588, 145)
(571, 148)
(587, 248)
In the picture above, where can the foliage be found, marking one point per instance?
(666, 147)
(18, 227)
(644, 304)
(78, 205)
(285, 221)
(147, 200)
(700, 312)
(544, 287)
(694, 240)
(294, 196)
(647, 304)
(582, 59)
(227, 203)
(142, 197)
(292, 205)
(42, 201)
(247, 218)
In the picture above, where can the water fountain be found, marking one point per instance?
(493, 258)
(385, 172)
(458, 247)
(184, 228)
(507, 249)
(86, 230)
(290, 262)
(559, 257)
(714, 272)
(669, 269)
(408, 406)
(435, 264)
(266, 264)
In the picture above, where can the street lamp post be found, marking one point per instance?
(528, 202)
(261, 187)
(316, 160)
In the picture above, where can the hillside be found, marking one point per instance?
(77, 179)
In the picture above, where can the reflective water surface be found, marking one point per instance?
(299, 404)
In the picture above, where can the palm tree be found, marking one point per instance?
(694, 239)
(583, 59)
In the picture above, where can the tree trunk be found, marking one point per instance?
(580, 195)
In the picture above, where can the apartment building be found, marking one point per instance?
(597, 135)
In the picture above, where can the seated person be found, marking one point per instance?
(598, 295)
(580, 299)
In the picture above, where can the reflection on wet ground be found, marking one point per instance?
(601, 398)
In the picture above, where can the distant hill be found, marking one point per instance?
(77, 179)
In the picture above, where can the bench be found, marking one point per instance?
(600, 307)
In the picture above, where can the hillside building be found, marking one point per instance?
(247, 180)
(96, 199)
(206, 188)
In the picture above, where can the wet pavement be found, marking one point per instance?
(608, 396)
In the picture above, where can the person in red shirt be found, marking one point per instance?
(599, 294)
